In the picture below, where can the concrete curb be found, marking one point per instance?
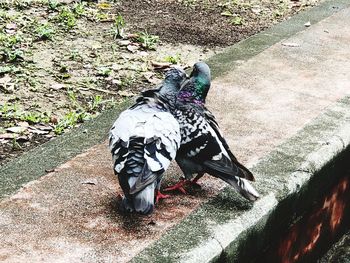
(221, 233)
(250, 47)
(33, 164)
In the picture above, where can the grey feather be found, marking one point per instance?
(143, 141)
(203, 148)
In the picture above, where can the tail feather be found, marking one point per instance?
(246, 189)
(241, 185)
(144, 200)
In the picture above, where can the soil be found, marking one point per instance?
(202, 22)
(65, 62)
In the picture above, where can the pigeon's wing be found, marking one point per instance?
(215, 126)
(201, 144)
(143, 141)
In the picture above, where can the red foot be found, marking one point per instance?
(195, 184)
(160, 196)
(195, 180)
(179, 186)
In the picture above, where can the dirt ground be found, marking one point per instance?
(63, 62)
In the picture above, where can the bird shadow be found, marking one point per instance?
(129, 222)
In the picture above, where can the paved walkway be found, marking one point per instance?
(70, 215)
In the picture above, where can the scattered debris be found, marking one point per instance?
(58, 59)
(151, 77)
(16, 129)
(152, 223)
(58, 86)
(124, 42)
(133, 48)
(289, 44)
(7, 136)
(90, 182)
(307, 24)
(125, 93)
(160, 65)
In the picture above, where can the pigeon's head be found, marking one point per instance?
(197, 87)
(175, 76)
(202, 78)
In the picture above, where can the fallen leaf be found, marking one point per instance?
(132, 48)
(226, 13)
(125, 93)
(90, 181)
(256, 9)
(16, 129)
(57, 86)
(43, 127)
(124, 42)
(36, 131)
(132, 36)
(151, 77)
(104, 6)
(160, 65)
(143, 53)
(11, 26)
(23, 124)
(7, 136)
(290, 44)
(5, 79)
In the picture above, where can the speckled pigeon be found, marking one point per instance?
(143, 141)
(203, 148)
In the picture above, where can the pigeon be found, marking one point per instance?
(143, 141)
(203, 148)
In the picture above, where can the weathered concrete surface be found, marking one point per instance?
(340, 252)
(71, 215)
(270, 97)
(33, 164)
(227, 228)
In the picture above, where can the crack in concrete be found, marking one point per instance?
(303, 171)
(222, 247)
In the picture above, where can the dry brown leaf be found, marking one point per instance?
(16, 129)
(132, 48)
(23, 124)
(125, 93)
(160, 65)
(151, 77)
(57, 86)
(37, 131)
(7, 136)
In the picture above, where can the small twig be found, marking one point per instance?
(100, 90)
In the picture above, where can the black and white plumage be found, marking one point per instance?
(203, 148)
(144, 140)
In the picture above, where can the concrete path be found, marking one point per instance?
(71, 215)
